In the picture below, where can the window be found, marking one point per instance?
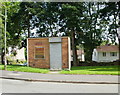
(104, 54)
(113, 53)
(39, 52)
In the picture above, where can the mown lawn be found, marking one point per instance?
(96, 70)
(92, 70)
(24, 69)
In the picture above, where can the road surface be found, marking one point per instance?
(17, 86)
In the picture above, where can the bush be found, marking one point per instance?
(93, 63)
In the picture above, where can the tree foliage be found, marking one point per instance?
(110, 14)
(86, 23)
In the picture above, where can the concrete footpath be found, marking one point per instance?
(63, 78)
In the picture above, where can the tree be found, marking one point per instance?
(84, 22)
(2, 31)
(92, 29)
(12, 40)
(46, 20)
(73, 19)
(110, 14)
(22, 23)
(54, 18)
(25, 16)
(70, 17)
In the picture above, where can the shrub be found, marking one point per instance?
(93, 63)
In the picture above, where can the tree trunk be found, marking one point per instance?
(119, 48)
(25, 52)
(2, 58)
(75, 63)
(28, 31)
(88, 54)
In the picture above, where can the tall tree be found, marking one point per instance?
(70, 17)
(110, 14)
(92, 29)
(11, 33)
(23, 17)
(54, 18)
(46, 20)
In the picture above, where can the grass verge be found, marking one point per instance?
(24, 69)
(93, 70)
(87, 70)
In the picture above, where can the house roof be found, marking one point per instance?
(108, 48)
(79, 52)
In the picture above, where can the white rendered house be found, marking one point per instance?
(19, 56)
(106, 53)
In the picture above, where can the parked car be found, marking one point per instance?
(24, 64)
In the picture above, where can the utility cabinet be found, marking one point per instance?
(49, 52)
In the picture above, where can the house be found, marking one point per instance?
(106, 53)
(20, 54)
(80, 54)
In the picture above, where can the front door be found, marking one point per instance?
(55, 56)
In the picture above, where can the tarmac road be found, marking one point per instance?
(18, 86)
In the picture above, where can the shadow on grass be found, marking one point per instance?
(96, 68)
(105, 70)
(14, 66)
(23, 67)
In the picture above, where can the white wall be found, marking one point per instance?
(80, 57)
(107, 58)
(95, 57)
(83, 57)
(20, 54)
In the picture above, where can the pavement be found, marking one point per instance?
(62, 78)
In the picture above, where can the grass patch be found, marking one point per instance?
(24, 69)
(93, 70)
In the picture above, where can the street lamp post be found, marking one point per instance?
(5, 64)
